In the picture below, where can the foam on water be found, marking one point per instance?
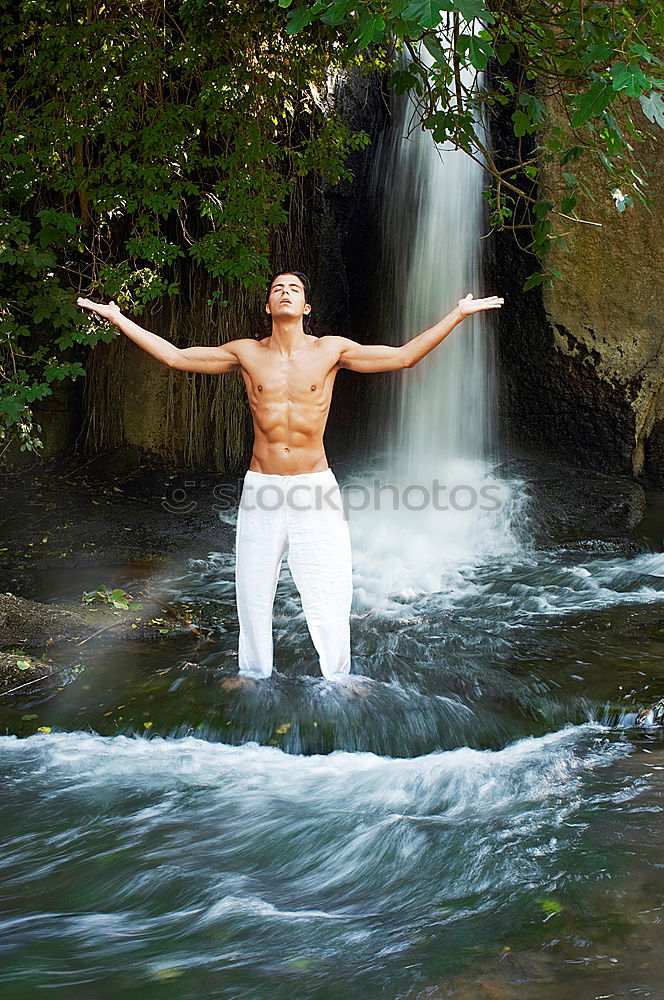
(189, 854)
(442, 783)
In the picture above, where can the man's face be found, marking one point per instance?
(287, 299)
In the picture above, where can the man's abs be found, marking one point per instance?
(283, 460)
(289, 403)
(288, 433)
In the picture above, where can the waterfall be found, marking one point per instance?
(436, 422)
(432, 228)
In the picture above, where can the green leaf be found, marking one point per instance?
(653, 107)
(629, 78)
(299, 18)
(479, 52)
(534, 107)
(503, 52)
(427, 13)
(542, 208)
(23, 665)
(522, 123)
(472, 9)
(401, 81)
(434, 49)
(532, 281)
(599, 52)
(369, 29)
(645, 53)
(337, 12)
(592, 103)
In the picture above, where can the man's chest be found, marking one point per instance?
(290, 380)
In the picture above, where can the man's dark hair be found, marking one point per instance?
(307, 322)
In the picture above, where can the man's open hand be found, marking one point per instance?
(111, 312)
(470, 305)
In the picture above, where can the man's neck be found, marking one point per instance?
(287, 337)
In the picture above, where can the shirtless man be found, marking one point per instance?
(290, 497)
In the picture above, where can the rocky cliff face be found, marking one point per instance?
(608, 316)
(582, 365)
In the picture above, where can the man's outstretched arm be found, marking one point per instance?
(381, 358)
(212, 360)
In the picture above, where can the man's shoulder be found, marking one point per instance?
(331, 345)
(333, 341)
(243, 344)
(338, 341)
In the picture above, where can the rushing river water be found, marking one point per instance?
(476, 813)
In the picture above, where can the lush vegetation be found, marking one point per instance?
(140, 132)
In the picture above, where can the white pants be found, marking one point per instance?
(303, 513)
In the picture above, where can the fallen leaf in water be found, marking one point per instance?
(550, 906)
(300, 963)
(163, 974)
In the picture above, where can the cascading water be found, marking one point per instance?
(432, 211)
(437, 426)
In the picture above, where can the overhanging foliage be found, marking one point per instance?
(136, 133)
(579, 80)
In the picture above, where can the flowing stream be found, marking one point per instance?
(475, 816)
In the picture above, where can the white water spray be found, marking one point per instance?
(441, 436)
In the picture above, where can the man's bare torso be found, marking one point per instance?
(290, 401)
(289, 376)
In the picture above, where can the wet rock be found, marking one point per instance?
(27, 624)
(31, 624)
(652, 716)
(581, 365)
(621, 548)
(587, 508)
(21, 673)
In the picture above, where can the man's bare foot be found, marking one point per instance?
(351, 683)
(238, 683)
